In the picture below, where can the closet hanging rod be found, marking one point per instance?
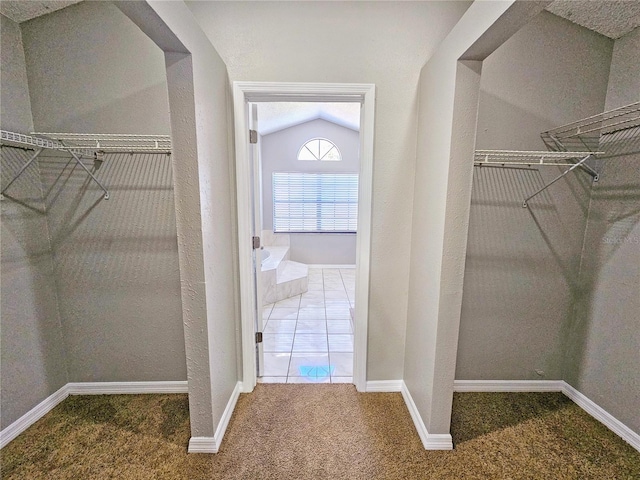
(529, 158)
(104, 135)
(13, 138)
(85, 144)
(507, 158)
(29, 141)
(155, 143)
(114, 142)
(605, 135)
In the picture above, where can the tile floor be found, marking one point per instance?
(308, 338)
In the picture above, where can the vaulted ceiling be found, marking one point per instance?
(611, 18)
(279, 115)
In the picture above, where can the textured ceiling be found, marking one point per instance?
(611, 18)
(274, 116)
(21, 11)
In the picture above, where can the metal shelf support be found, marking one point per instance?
(79, 162)
(24, 167)
(581, 162)
(84, 144)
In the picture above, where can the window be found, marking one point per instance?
(319, 149)
(315, 202)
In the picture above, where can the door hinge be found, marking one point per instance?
(255, 241)
(258, 337)
(253, 136)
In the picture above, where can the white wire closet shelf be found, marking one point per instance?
(31, 142)
(113, 143)
(604, 136)
(526, 157)
(617, 132)
(83, 144)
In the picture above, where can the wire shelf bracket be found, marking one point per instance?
(21, 140)
(24, 167)
(113, 142)
(84, 167)
(84, 144)
(570, 169)
(604, 136)
(506, 158)
(503, 158)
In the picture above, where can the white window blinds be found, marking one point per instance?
(315, 202)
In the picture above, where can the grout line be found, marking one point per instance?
(324, 299)
(295, 332)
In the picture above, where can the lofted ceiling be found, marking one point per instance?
(611, 18)
(276, 116)
(22, 10)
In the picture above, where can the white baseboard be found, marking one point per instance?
(212, 444)
(384, 386)
(226, 415)
(508, 385)
(118, 388)
(430, 441)
(202, 445)
(32, 416)
(604, 417)
(85, 388)
(593, 409)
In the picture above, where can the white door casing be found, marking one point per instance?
(243, 94)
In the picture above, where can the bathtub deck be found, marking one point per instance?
(281, 277)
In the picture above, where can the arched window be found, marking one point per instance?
(319, 149)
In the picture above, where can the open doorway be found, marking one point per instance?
(307, 201)
(297, 234)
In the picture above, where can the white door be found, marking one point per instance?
(256, 225)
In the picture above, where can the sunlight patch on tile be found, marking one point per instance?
(316, 371)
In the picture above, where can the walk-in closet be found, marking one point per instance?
(496, 244)
(90, 274)
(551, 278)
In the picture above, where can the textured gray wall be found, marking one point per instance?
(522, 264)
(32, 363)
(117, 269)
(279, 153)
(92, 70)
(624, 81)
(116, 261)
(603, 351)
(15, 108)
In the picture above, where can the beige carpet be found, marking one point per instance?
(319, 432)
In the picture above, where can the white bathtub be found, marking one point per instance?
(265, 254)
